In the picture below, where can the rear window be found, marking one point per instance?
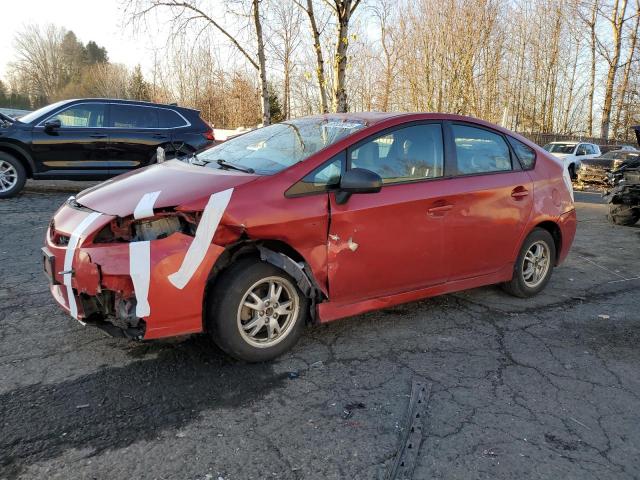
(170, 119)
(525, 154)
(132, 116)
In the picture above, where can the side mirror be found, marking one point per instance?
(358, 180)
(52, 125)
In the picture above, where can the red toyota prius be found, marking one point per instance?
(309, 221)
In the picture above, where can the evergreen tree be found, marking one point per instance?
(275, 107)
(95, 54)
(138, 88)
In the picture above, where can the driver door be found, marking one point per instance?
(391, 241)
(80, 143)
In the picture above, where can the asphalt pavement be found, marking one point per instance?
(541, 388)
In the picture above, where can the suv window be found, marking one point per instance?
(406, 154)
(132, 116)
(480, 151)
(525, 154)
(170, 119)
(85, 115)
(582, 149)
(591, 149)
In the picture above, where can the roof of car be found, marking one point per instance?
(133, 102)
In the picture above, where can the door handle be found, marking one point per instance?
(519, 192)
(98, 135)
(439, 209)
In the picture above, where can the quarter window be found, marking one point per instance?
(132, 116)
(170, 119)
(480, 151)
(406, 154)
(88, 115)
(525, 154)
(324, 178)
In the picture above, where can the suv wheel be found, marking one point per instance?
(257, 312)
(12, 175)
(623, 215)
(534, 265)
(572, 171)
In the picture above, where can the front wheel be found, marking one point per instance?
(534, 265)
(12, 175)
(257, 312)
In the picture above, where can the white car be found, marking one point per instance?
(572, 153)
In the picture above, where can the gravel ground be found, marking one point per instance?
(541, 388)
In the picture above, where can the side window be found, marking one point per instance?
(86, 115)
(480, 151)
(525, 154)
(582, 149)
(322, 179)
(170, 119)
(406, 154)
(591, 149)
(131, 116)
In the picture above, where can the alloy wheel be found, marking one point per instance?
(268, 312)
(536, 264)
(8, 176)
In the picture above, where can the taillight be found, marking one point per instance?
(209, 135)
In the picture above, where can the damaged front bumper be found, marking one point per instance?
(98, 288)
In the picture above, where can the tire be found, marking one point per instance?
(12, 175)
(226, 316)
(623, 215)
(525, 284)
(572, 171)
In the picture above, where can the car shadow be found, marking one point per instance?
(170, 386)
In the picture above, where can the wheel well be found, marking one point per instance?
(237, 251)
(554, 230)
(20, 157)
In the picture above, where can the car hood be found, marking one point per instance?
(599, 163)
(561, 155)
(178, 183)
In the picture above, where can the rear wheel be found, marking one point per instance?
(534, 265)
(623, 215)
(572, 171)
(257, 312)
(12, 175)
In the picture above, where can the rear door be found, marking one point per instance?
(490, 199)
(135, 135)
(391, 241)
(80, 144)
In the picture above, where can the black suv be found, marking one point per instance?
(93, 139)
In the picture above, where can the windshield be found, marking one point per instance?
(560, 147)
(271, 149)
(30, 117)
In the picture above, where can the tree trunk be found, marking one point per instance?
(622, 91)
(592, 78)
(340, 60)
(264, 87)
(322, 83)
(617, 23)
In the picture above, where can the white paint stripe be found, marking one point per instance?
(144, 209)
(211, 217)
(140, 271)
(68, 260)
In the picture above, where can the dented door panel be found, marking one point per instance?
(386, 242)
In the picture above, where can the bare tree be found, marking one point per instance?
(317, 46)
(39, 63)
(617, 21)
(187, 11)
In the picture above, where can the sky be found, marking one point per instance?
(97, 20)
